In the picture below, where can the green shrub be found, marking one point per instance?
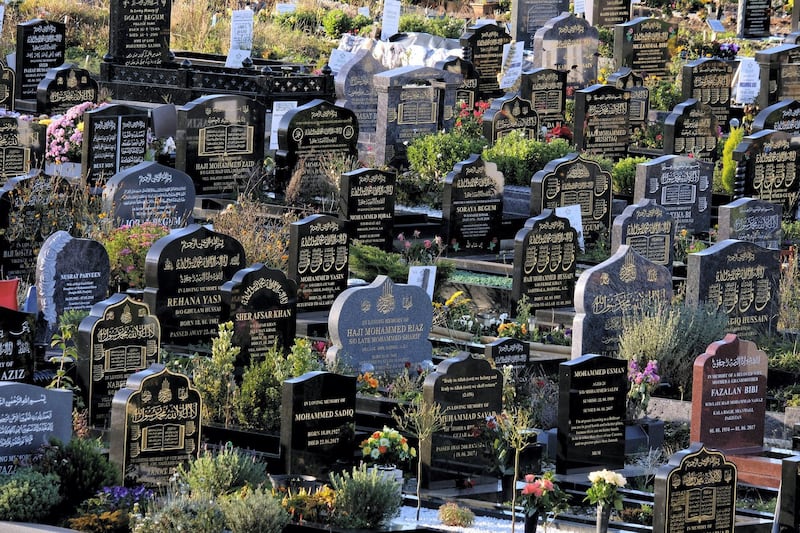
(181, 514)
(519, 157)
(80, 465)
(302, 358)
(254, 511)
(434, 155)
(336, 22)
(664, 95)
(623, 175)
(213, 376)
(302, 19)
(728, 173)
(364, 498)
(452, 514)
(448, 27)
(258, 404)
(213, 474)
(28, 495)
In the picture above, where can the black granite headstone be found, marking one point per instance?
(22, 236)
(692, 130)
(155, 426)
(64, 87)
(467, 93)
(606, 14)
(546, 90)
(366, 201)
(574, 180)
(639, 102)
(41, 45)
(318, 261)
(623, 283)
(510, 113)
(708, 80)
(21, 146)
(649, 229)
(646, 45)
(781, 116)
(183, 273)
(139, 32)
(767, 168)
(317, 422)
(262, 303)
(545, 253)
(527, 16)
(16, 345)
(149, 192)
(119, 338)
(115, 139)
(356, 92)
(697, 490)
(592, 393)
(7, 87)
(29, 417)
(468, 390)
(570, 44)
(384, 325)
(751, 220)
(601, 121)
(753, 19)
(739, 278)
(789, 498)
(220, 142)
(483, 47)
(508, 351)
(472, 207)
(680, 184)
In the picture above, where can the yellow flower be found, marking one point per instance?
(80, 126)
(456, 295)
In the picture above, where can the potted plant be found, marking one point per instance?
(541, 496)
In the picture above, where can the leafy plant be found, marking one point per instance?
(258, 403)
(213, 377)
(364, 498)
(109, 510)
(454, 515)
(728, 173)
(127, 248)
(68, 324)
(623, 175)
(254, 511)
(336, 22)
(519, 157)
(446, 26)
(664, 94)
(27, 495)
(213, 474)
(181, 513)
(302, 358)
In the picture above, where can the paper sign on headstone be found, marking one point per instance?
(423, 276)
(391, 19)
(278, 110)
(573, 214)
(512, 61)
(241, 38)
(747, 81)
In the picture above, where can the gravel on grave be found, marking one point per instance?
(482, 524)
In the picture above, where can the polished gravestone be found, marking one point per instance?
(692, 130)
(570, 44)
(115, 139)
(64, 87)
(546, 90)
(355, 91)
(639, 101)
(467, 92)
(527, 16)
(649, 229)
(508, 351)
(601, 121)
(780, 74)
(510, 113)
(708, 80)
(41, 45)
(21, 237)
(22, 146)
(483, 47)
(16, 345)
(751, 220)
(780, 116)
(607, 14)
(646, 45)
(139, 32)
(753, 19)
(7, 86)
(366, 201)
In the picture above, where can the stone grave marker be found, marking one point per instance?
(22, 237)
(311, 137)
(601, 121)
(608, 14)
(680, 184)
(139, 32)
(262, 303)
(510, 113)
(119, 338)
(366, 201)
(639, 101)
(472, 206)
(318, 261)
(155, 426)
(729, 392)
(751, 220)
(592, 394)
(692, 130)
(767, 168)
(41, 45)
(780, 74)
(623, 283)
(545, 253)
(697, 490)
(356, 92)
(527, 16)
(508, 351)
(645, 45)
(71, 273)
(781, 116)
(149, 192)
(468, 390)
(575, 180)
(568, 43)
(739, 278)
(483, 47)
(708, 80)
(16, 345)
(64, 87)
(789, 506)
(7, 87)
(384, 325)
(753, 19)
(546, 90)
(22, 146)
(115, 140)
(412, 101)
(317, 422)
(29, 417)
(467, 92)
(220, 142)
(649, 229)
(183, 275)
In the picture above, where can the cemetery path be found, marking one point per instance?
(14, 527)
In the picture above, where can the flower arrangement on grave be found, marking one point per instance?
(642, 383)
(367, 383)
(127, 248)
(492, 435)
(604, 493)
(418, 251)
(387, 447)
(542, 496)
(64, 135)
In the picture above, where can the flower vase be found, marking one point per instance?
(391, 472)
(603, 516)
(531, 522)
(506, 488)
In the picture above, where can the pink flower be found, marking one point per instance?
(408, 245)
(401, 237)
(547, 484)
(537, 490)
(427, 244)
(530, 478)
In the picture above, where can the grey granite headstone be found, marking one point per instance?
(601, 121)
(780, 74)
(545, 253)
(546, 90)
(155, 426)
(483, 47)
(184, 272)
(384, 325)
(568, 43)
(680, 184)
(64, 87)
(527, 16)
(119, 338)
(645, 45)
(692, 130)
(624, 282)
(29, 417)
(150, 192)
(317, 422)
(355, 91)
(649, 229)
(708, 80)
(751, 220)
(739, 278)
